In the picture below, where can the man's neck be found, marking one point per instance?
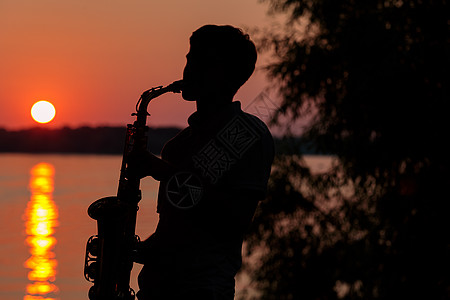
(207, 108)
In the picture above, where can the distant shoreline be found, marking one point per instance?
(106, 140)
(82, 140)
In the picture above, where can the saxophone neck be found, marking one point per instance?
(148, 95)
(175, 87)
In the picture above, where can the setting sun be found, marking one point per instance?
(43, 111)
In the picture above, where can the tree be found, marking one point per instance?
(374, 74)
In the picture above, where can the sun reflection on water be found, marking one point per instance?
(41, 218)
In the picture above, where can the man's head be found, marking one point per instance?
(220, 61)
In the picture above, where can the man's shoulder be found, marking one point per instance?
(257, 123)
(179, 139)
(182, 134)
(259, 128)
(245, 134)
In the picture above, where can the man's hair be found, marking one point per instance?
(228, 46)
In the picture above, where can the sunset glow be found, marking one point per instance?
(94, 71)
(41, 218)
(43, 112)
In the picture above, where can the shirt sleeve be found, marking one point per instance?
(251, 172)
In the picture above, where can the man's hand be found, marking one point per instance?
(143, 251)
(139, 254)
(142, 163)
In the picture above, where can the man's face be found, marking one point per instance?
(202, 75)
(191, 78)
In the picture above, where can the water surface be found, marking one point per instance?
(44, 224)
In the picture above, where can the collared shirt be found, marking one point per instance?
(218, 158)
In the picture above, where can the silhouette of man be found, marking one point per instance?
(212, 175)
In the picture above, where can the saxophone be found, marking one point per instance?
(108, 259)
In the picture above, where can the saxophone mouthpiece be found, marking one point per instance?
(176, 86)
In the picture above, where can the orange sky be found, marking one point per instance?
(93, 59)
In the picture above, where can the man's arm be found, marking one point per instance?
(144, 250)
(144, 163)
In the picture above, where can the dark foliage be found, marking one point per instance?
(375, 75)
